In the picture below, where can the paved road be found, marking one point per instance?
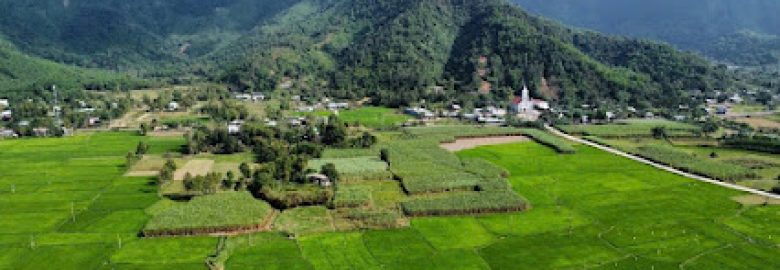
(661, 166)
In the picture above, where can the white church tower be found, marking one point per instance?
(525, 103)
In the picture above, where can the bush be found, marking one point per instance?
(294, 195)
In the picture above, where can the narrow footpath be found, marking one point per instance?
(661, 166)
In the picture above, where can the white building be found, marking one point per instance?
(6, 115)
(4, 103)
(93, 121)
(173, 106)
(234, 127)
(419, 113)
(337, 105)
(524, 104)
(8, 133)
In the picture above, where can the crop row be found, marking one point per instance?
(693, 164)
(555, 142)
(352, 196)
(465, 203)
(635, 128)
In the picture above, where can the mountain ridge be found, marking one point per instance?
(400, 51)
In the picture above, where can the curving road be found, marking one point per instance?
(661, 166)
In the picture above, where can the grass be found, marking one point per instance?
(590, 210)
(304, 220)
(209, 214)
(371, 117)
(633, 128)
(763, 166)
(356, 168)
(374, 117)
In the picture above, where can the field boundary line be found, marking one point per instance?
(660, 166)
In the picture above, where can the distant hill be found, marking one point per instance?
(395, 51)
(736, 31)
(24, 76)
(129, 35)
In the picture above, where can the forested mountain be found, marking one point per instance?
(395, 51)
(22, 75)
(736, 31)
(129, 35)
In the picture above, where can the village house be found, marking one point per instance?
(243, 96)
(86, 110)
(337, 105)
(40, 132)
(6, 115)
(93, 121)
(4, 103)
(173, 106)
(234, 127)
(319, 179)
(8, 133)
(419, 113)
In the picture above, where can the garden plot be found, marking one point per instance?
(359, 168)
(213, 214)
(197, 167)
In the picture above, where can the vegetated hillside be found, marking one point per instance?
(742, 32)
(396, 50)
(134, 35)
(24, 76)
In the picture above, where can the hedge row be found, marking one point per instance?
(692, 164)
(560, 145)
(465, 203)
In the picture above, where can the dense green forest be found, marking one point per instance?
(395, 51)
(735, 31)
(24, 76)
(129, 35)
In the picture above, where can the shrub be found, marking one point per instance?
(294, 195)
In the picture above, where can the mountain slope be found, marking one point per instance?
(742, 32)
(395, 50)
(136, 35)
(24, 76)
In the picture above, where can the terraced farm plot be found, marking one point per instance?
(218, 213)
(589, 210)
(197, 167)
(356, 168)
(633, 128)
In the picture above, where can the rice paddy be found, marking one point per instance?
(65, 202)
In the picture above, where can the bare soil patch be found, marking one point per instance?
(141, 173)
(755, 200)
(758, 122)
(470, 143)
(167, 133)
(194, 167)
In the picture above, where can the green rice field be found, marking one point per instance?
(64, 203)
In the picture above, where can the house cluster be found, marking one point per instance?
(324, 104)
(523, 107)
(5, 110)
(253, 97)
